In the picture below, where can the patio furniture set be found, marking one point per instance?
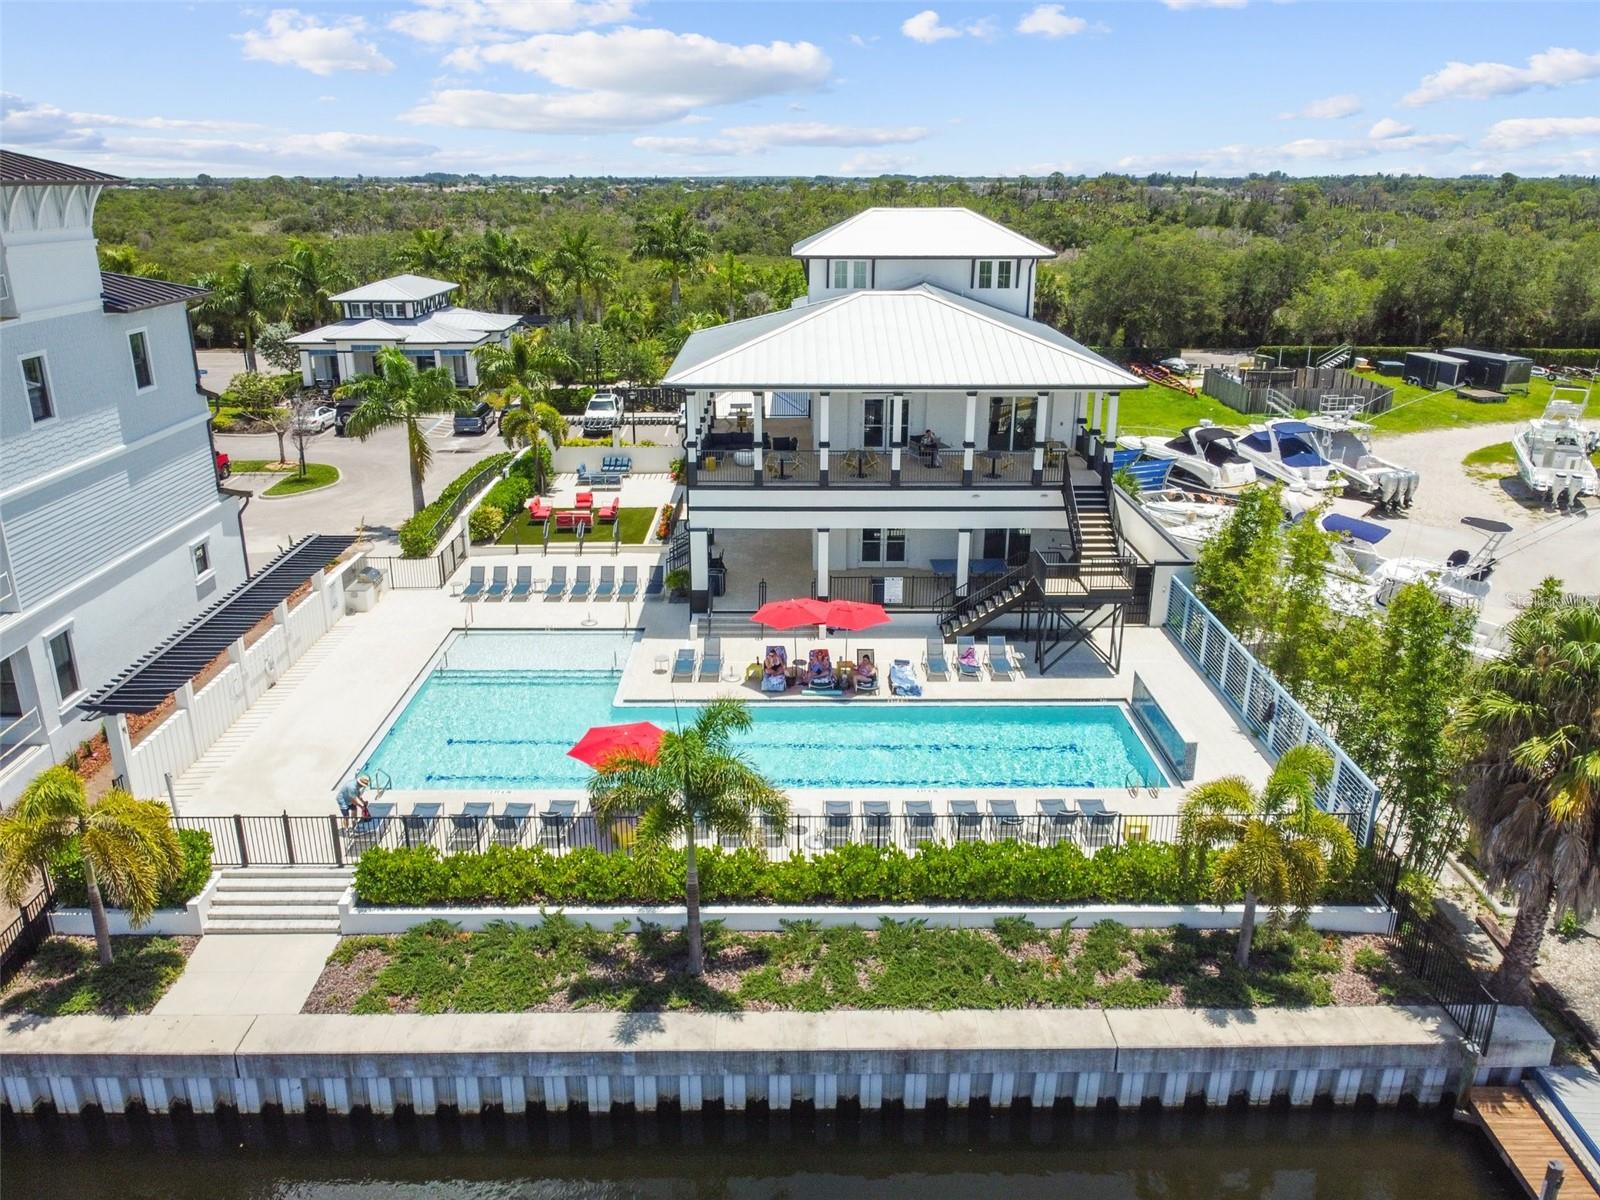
(613, 468)
(583, 585)
(583, 513)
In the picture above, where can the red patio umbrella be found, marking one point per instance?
(600, 743)
(854, 616)
(792, 614)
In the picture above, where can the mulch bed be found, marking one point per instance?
(64, 977)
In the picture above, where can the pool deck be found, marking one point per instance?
(290, 751)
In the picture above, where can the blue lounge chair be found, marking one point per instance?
(557, 587)
(819, 671)
(711, 658)
(866, 681)
(418, 824)
(367, 831)
(466, 827)
(967, 659)
(1000, 664)
(607, 587)
(475, 584)
(968, 820)
(523, 587)
(499, 585)
(775, 671)
(1060, 822)
(1006, 822)
(877, 822)
(655, 586)
(919, 822)
(511, 824)
(629, 587)
(1101, 821)
(837, 819)
(935, 659)
(580, 585)
(683, 666)
(555, 823)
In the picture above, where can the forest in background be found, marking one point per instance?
(1143, 263)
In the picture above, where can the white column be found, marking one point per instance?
(699, 569)
(760, 412)
(897, 406)
(121, 747)
(306, 375)
(822, 563)
(692, 429)
(347, 366)
(963, 556)
(1041, 427)
(1094, 410)
(969, 439)
(824, 403)
(1111, 417)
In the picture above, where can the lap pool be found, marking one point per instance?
(498, 711)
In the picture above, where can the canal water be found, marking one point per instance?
(937, 1155)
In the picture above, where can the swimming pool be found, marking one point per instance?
(500, 710)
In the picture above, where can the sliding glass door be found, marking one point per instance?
(1012, 422)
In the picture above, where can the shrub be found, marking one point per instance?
(67, 874)
(509, 494)
(416, 533)
(485, 523)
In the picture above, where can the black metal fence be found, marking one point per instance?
(1426, 948)
(430, 572)
(22, 937)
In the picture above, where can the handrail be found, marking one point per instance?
(1108, 483)
(1074, 522)
(973, 599)
(468, 493)
(10, 750)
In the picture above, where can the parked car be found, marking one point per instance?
(224, 465)
(479, 418)
(602, 413)
(315, 420)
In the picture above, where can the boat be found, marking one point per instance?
(1205, 453)
(1190, 518)
(1282, 449)
(1361, 579)
(1347, 444)
(1553, 450)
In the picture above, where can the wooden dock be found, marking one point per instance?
(1525, 1140)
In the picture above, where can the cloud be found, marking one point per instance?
(1387, 128)
(926, 28)
(1240, 157)
(1180, 5)
(873, 163)
(1047, 20)
(755, 139)
(291, 38)
(627, 78)
(1329, 108)
(1518, 133)
(1553, 68)
(29, 122)
(453, 22)
(862, 42)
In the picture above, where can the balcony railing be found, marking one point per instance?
(873, 467)
(1057, 573)
(18, 735)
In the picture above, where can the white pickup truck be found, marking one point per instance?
(602, 412)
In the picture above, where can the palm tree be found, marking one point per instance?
(128, 846)
(695, 780)
(242, 296)
(674, 242)
(505, 264)
(431, 252)
(309, 278)
(734, 282)
(399, 394)
(1532, 735)
(1274, 844)
(582, 264)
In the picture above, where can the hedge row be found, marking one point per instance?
(965, 873)
(66, 874)
(416, 534)
(1544, 356)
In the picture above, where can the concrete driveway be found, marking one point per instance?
(374, 488)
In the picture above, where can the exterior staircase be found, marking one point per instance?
(1337, 357)
(1093, 531)
(278, 900)
(976, 610)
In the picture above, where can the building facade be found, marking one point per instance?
(904, 430)
(112, 528)
(412, 312)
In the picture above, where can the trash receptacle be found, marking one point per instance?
(717, 577)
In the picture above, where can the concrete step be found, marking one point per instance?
(269, 912)
(268, 883)
(230, 899)
(320, 925)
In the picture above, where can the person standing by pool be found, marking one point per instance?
(351, 800)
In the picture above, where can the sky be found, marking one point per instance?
(643, 87)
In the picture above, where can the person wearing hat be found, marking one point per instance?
(352, 803)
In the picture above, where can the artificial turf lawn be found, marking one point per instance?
(635, 522)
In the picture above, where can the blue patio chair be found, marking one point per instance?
(968, 820)
(475, 584)
(555, 823)
(967, 663)
(523, 587)
(711, 658)
(920, 825)
(580, 585)
(418, 824)
(466, 827)
(557, 587)
(629, 587)
(877, 822)
(935, 659)
(511, 824)
(1000, 663)
(607, 587)
(655, 586)
(837, 820)
(499, 585)
(1060, 820)
(683, 665)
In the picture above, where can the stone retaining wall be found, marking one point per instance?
(643, 1060)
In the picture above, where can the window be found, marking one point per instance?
(985, 273)
(66, 667)
(202, 559)
(850, 273)
(883, 545)
(38, 384)
(139, 348)
(994, 272)
(1002, 273)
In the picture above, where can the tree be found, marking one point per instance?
(677, 245)
(129, 846)
(309, 277)
(399, 394)
(733, 281)
(272, 344)
(505, 265)
(1273, 845)
(1301, 618)
(582, 264)
(240, 296)
(696, 780)
(1337, 306)
(431, 252)
(125, 260)
(1236, 571)
(1532, 792)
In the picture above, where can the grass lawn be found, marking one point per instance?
(1158, 409)
(636, 525)
(1449, 411)
(561, 966)
(65, 977)
(318, 475)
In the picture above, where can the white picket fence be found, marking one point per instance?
(203, 716)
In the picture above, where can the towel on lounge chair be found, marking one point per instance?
(819, 670)
(967, 659)
(774, 667)
(903, 680)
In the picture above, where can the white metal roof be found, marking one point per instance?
(398, 287)
(442, 327)
(919, 233)
(921, 337)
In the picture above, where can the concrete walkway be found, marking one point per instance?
(248, 973)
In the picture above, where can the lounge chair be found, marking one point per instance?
(903, 679)
(466, 827)
(538, 510)
(655, 586)
(555, 823)
(1101, 821)
(1060, 820)
(609, 510)
(866, 670)
(499, 585)
(775, 670)
(628, 589)
(876, 822)
(837, 820)
(1000, 663)
(511, 824)
(920, 825)
(418, 824)
(584, 501)
(580, 585)
(607, 587)
(523, 587)
(683, 666)
(819, 671)
(774, 833)
(967, 659)
(475, 584)
(557, 587)
(1007, 824)
(967, 819)
(935, 660)
(368, 831)
(711, 658)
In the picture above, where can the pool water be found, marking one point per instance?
(497, 712)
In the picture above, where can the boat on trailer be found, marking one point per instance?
(1346, 442)
(1362, 579)
(1283, 450)
(1204, 453)
(1553, 450)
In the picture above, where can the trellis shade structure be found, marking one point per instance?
(155, 676)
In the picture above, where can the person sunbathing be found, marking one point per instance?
(866, 668)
